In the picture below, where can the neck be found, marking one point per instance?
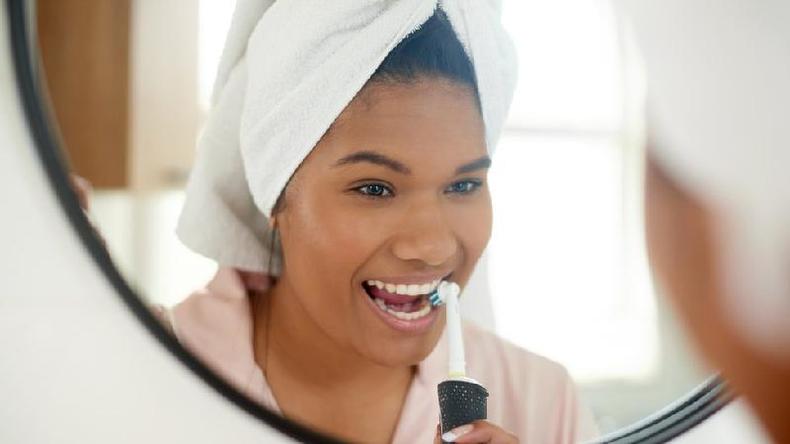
(319, 382)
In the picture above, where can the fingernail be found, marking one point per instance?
(457, 432)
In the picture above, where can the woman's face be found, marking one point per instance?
(394, 195)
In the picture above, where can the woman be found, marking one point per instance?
(392, 199)
(717, 192)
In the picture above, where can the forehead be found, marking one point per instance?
(431, 118)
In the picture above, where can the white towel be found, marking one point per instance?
(288, 70)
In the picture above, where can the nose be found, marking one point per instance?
(426, 235)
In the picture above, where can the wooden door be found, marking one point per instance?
(84, 46)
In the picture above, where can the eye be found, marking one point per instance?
(464, 186)
(375, 190)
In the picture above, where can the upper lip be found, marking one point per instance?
(412, 279)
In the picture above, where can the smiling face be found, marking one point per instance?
(394, 196)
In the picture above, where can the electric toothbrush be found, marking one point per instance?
(462, 400)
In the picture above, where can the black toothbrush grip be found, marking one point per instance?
(461, 402)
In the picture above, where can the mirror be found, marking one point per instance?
(564, 274)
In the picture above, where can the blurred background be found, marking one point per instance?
(130, 84)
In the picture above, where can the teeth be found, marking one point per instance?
(404, 316)
(404, 289)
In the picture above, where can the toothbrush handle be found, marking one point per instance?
(455, 340)
(461, 402)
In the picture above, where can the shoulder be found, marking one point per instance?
(222, 303)
(164, 315)
(214, 316)
(215, 323)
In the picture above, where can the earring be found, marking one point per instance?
(272, 238)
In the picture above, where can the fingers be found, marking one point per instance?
(437, 438)
(480, 432)
(255, 281)
(83, 190)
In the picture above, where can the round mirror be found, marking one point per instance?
(562, 323)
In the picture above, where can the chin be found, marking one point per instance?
(400, 352)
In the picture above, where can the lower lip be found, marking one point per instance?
(411, 326)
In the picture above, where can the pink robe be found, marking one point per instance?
(530, 396)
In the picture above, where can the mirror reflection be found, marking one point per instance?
(313, 229)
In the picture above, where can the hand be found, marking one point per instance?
(83, 190)
(255, 282)
(477, 432)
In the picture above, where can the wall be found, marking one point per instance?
(77, 366)
(165, 116)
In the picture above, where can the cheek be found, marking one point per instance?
(323, 249)
(325, 244)
(473, 224)
(332, 238)
(679, 244)
(682, 251)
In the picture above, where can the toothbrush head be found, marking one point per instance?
(439, 296)
(435, 299)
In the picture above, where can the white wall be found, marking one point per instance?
(77, 366)
(165, 116)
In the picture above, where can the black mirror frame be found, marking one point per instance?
(661, 427)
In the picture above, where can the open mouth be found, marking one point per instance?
(404, 302)
(404, 307)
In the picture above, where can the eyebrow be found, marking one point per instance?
(380, 159)
(479, 164)
(374, 158)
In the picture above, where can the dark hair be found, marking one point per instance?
(433, 50)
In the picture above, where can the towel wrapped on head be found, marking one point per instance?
(288, 70)
(719, 102)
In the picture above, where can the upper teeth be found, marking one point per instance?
(406, 289)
